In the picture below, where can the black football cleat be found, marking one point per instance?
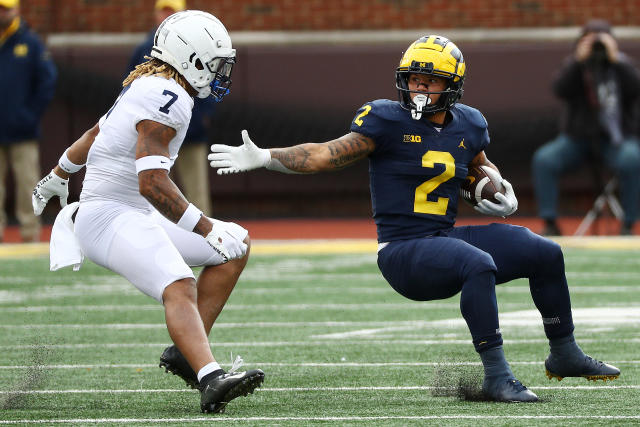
(507, 390)
(216, 392)
(587, 367)
(173, 361)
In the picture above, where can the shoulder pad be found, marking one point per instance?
(387, 109)
(161, 100)
(473, 115)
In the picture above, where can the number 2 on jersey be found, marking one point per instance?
(439, 207)
(358, 120)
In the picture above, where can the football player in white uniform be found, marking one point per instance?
(133, 220)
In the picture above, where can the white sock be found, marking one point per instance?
(207, 369)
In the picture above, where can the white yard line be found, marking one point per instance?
(239, 307)
(61, 292)
(581, 316)
(524, 318)
(309, 343)
(223, 325)
(289, 364)
(214, 419)
(603, 387)
(312, 306)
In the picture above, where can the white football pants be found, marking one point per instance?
(146, 248)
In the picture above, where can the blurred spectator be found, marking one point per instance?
(27, 83)
(191, 165)
(600, 88)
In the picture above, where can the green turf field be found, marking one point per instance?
(337, 344)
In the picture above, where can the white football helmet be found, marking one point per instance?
(198, 46)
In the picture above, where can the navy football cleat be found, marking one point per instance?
(173, 361)
(507, 390)
(587, 367)
(216, 392)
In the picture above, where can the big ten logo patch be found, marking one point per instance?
(412, 138)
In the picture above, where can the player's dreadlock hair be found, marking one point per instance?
(156, 67)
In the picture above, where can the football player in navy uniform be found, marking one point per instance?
(419, 152)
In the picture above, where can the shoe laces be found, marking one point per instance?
(517, 385)
(591, 361)
(235, 364)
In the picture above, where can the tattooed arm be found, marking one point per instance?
(332, 155)
(303, 158)
(155, 184)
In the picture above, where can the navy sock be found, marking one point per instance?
(558, 327)
(495, 364)
(549, 290)
(565, 347)
(480, 310)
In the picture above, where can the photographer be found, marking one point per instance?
(600, 88)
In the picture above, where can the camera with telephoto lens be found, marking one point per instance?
(598, 51)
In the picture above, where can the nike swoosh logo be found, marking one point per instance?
(235, 374)
(471, 179)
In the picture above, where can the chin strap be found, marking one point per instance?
(421, 101)
(203, 92)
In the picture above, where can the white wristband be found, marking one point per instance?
(67, 165)
(152, 162)
(190, 218)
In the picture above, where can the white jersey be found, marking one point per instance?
(111, 170)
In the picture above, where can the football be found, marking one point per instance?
(482, 182)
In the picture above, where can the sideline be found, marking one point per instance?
(338, 246)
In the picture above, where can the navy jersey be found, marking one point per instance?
(415, 171)
(27, 83)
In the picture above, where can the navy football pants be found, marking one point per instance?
(472, 260)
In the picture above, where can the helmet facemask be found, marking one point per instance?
(220, 69)
(449, 96)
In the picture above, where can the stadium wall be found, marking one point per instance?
(54, 16)
(290, 94)
(292, 85)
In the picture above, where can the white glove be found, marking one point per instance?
(508, 203)
(225, 243)
(49, 186)
(228, 159)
